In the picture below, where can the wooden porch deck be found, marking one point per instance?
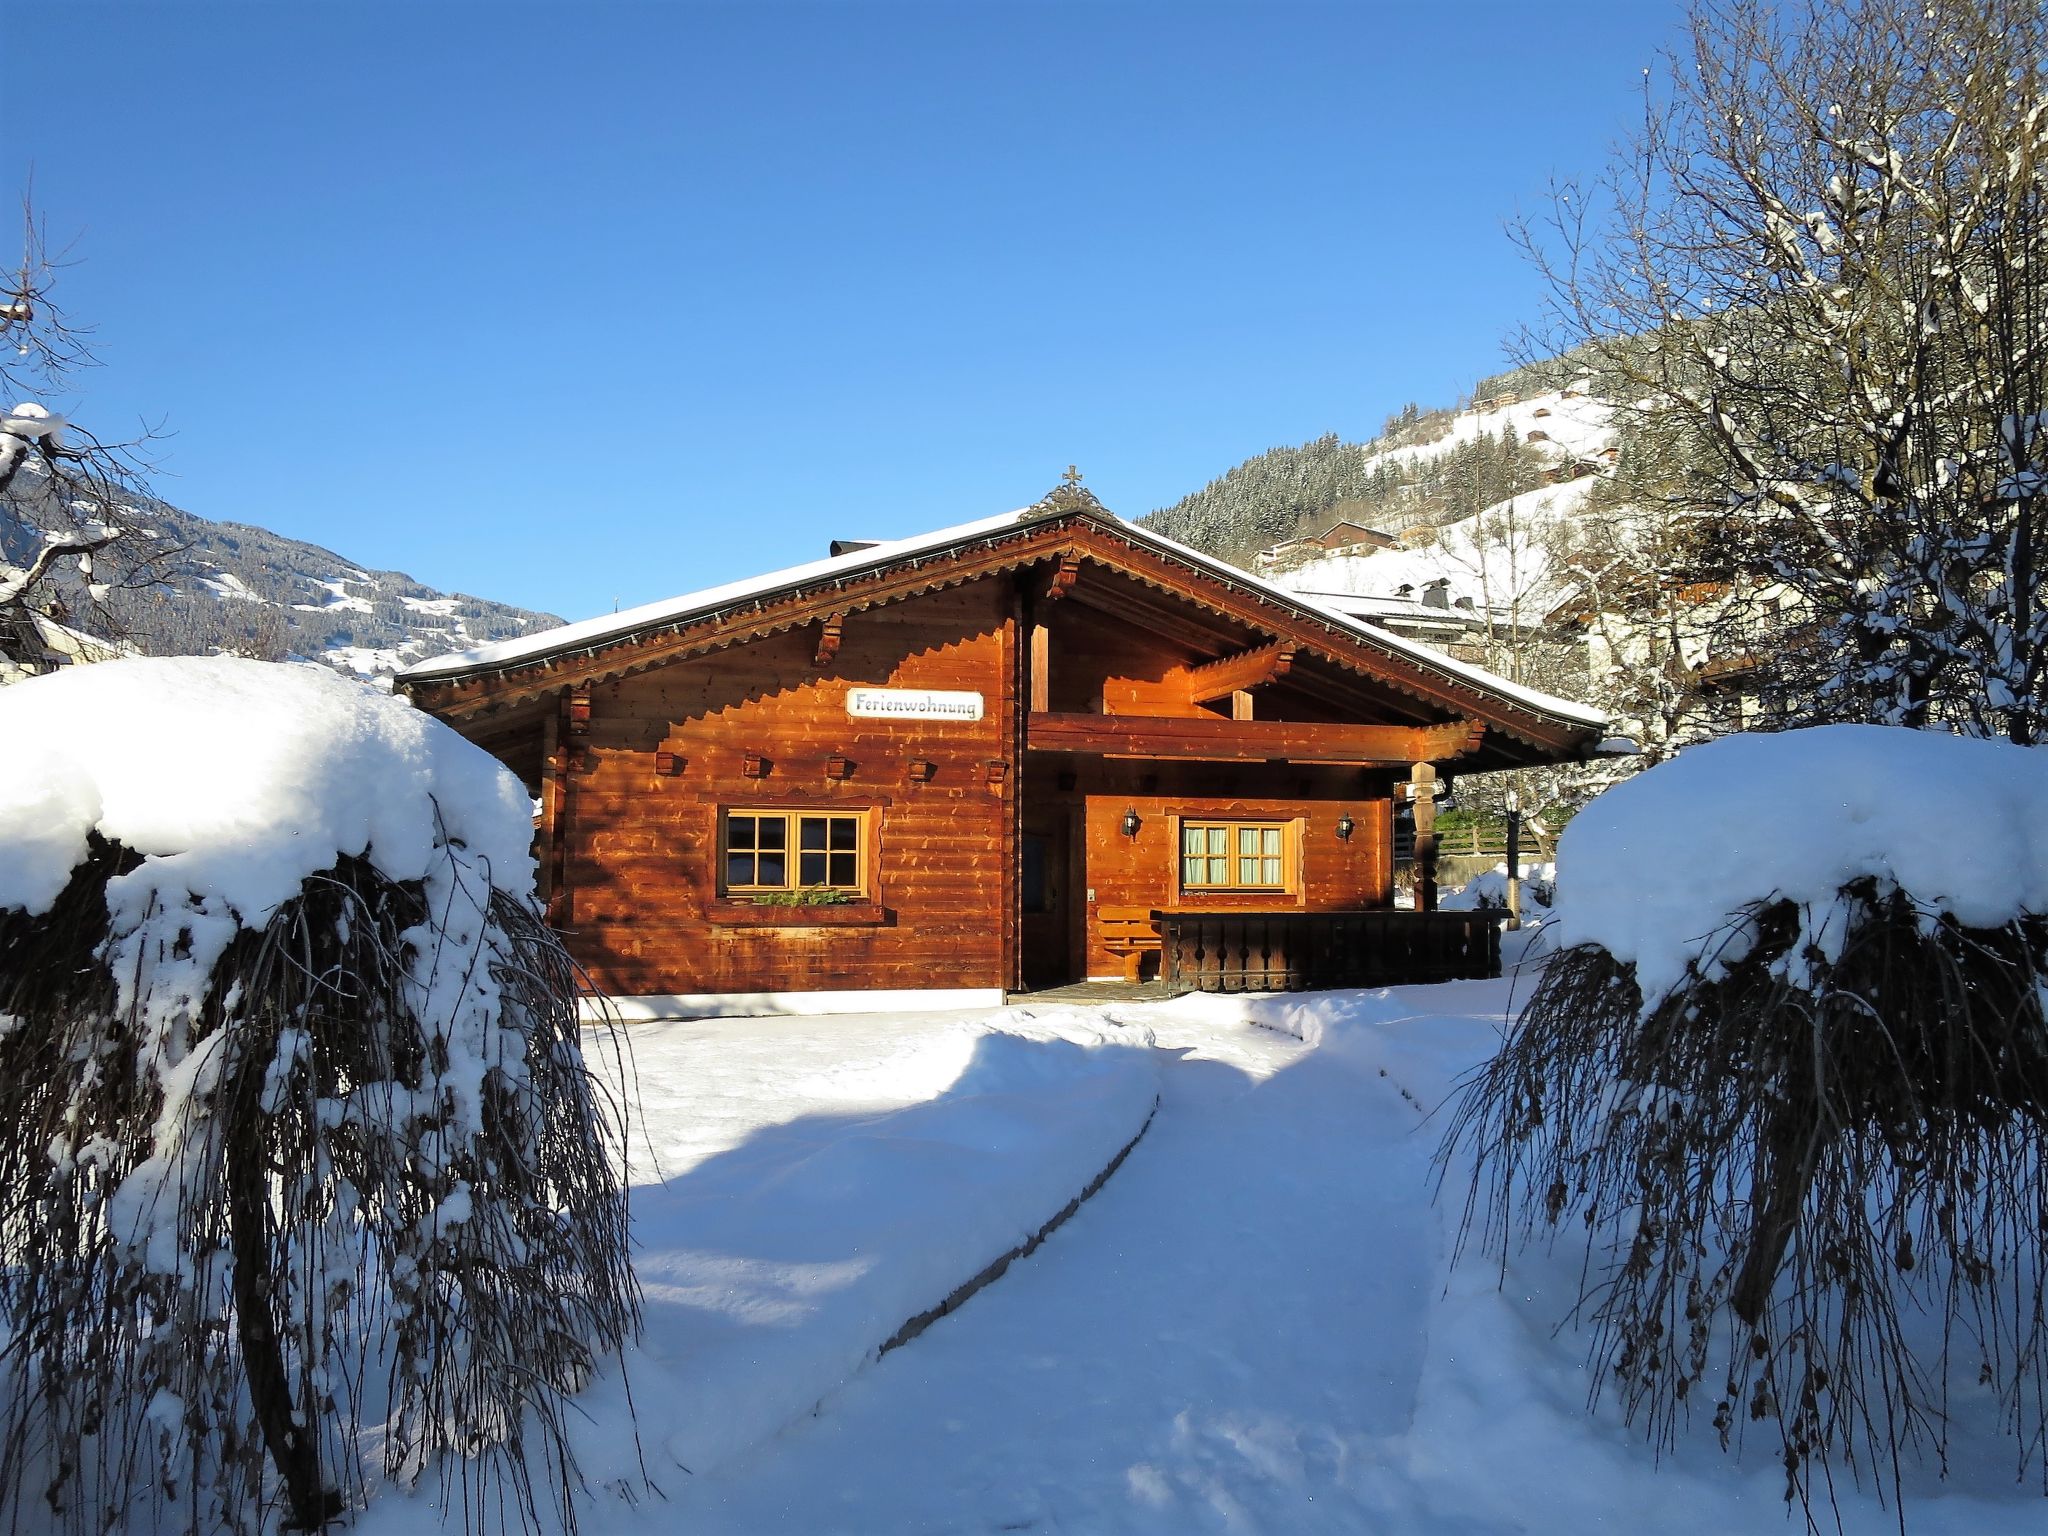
(1302, 951)
(1307, 951)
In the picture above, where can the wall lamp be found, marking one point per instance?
(1345, 827)
(1131, 823)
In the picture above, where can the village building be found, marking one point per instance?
(1018, 753)
(33, 643)
(1344, 534)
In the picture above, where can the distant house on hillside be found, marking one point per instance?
(1572, 469)
(1020, 752)
(33, 643)
(1339, 537)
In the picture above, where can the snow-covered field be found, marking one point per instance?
(1252, 1327)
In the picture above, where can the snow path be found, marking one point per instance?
(1253, 1327)
(816, 1183)
(1265, 1197)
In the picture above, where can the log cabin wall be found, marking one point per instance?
(1079, 805)
(641, 903)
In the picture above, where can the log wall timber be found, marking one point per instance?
(1250, 740)
(642, 850)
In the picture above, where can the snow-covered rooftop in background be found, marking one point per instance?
(1499, 559)
(1799, 815)
(612, 626)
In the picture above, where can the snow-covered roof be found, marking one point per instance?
(1408, 611)
(669, 610)
(592, 633)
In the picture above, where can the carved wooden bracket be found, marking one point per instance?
(1234, 674)
(830, 632)
(579, 714)
(996, 770)
(1059, 581)
(922, 769)
(838, 767)
(753, 766)
(667, 764)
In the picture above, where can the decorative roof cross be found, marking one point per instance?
(1070, 495)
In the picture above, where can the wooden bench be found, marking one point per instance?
(1128, 932)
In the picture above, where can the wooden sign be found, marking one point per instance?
(912, 704)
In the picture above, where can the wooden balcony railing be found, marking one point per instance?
(1298, 951)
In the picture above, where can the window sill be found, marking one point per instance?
(1242, 900)
(747, 914)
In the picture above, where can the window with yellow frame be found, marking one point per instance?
(762, 851)
(1236, 856)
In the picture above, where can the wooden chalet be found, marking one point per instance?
(1022, 752)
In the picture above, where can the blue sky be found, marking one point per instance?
(576, 305)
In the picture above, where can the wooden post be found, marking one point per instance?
(1041, 668)
(556, 809)
(1514, 864)
(1423, 790)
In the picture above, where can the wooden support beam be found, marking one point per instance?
(1249, 740)
(830, 631)
(1235, 674)
(1041, 669)
(1134, 604)
(1241, 705)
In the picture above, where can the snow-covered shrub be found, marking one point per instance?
(299, 1157)
(1789, 1070)
(1488, 890)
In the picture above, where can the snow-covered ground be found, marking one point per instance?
(1254, 1326)
(1574, 422)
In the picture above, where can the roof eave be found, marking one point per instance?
(1549, 731)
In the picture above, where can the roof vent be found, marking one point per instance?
(848, 546)
(1437, 594)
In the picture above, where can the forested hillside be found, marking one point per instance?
(1407, 476)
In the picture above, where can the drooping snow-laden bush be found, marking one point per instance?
(1804, 1128)
(301, 1167)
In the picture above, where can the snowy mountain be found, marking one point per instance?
(237, 587)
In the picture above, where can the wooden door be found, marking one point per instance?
(1046, 888)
